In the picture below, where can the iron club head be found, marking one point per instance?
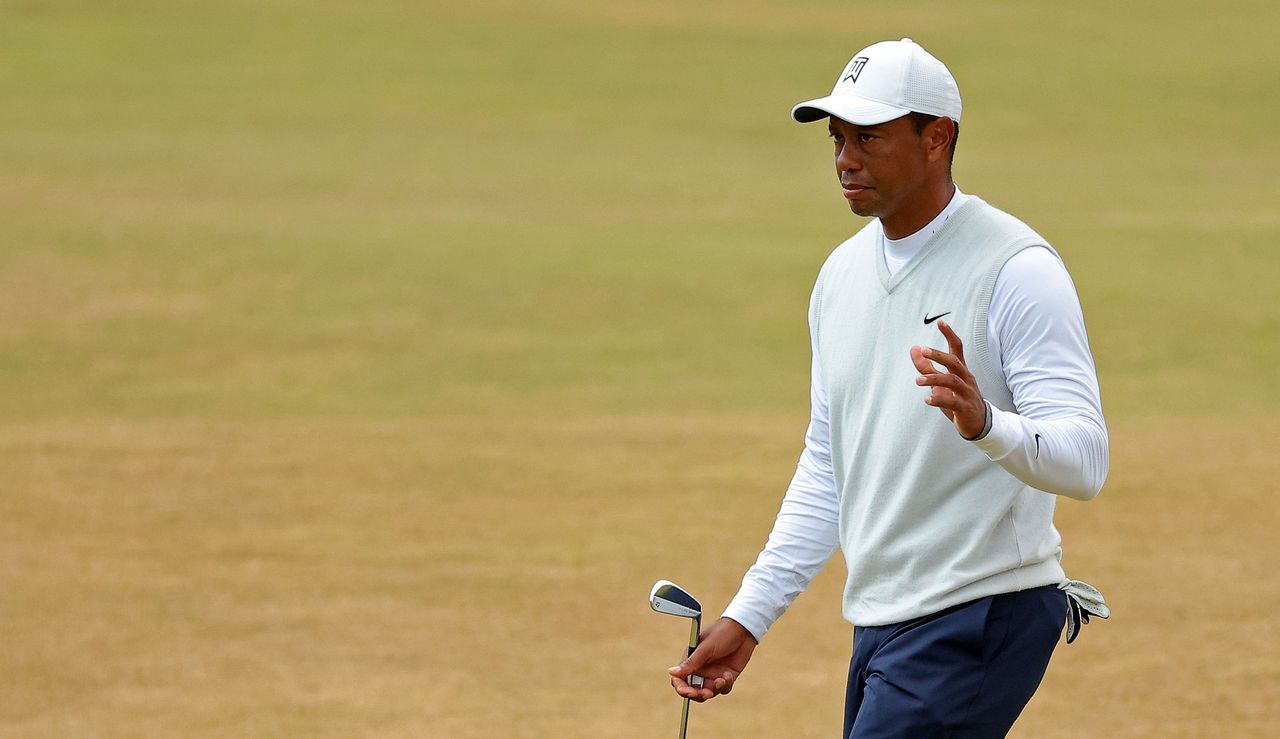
(673, 600)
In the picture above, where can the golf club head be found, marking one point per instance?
(673, 600)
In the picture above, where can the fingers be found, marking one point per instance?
(943, 380)
(710, 689)
(683, 673)
(723, 652)
(722, 685)
(713, 686)
(923, 366)
(954, 389)
(953, 341)
(958, 379)
(923, 357)
(716, 678)
(691, 661)
(949, 361)
(685, 690)
(948, 404)
(951, 392)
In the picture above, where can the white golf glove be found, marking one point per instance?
(1083, 600)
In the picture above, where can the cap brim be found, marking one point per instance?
(856, 110)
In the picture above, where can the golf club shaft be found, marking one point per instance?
(694, 628)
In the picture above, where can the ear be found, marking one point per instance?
(937, 137)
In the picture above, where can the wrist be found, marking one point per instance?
(986, 424)
(732, 624)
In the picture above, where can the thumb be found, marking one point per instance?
(693, 662)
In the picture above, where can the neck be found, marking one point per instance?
(923, 206)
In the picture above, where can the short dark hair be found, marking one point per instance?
(920, 120)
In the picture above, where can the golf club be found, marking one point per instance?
(673, 600)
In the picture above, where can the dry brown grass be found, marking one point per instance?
(472, 579)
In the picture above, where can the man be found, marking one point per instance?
(953, 397)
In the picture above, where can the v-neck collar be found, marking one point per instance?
(889, 282)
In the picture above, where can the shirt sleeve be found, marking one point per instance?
(806, 531)
(1056, 441)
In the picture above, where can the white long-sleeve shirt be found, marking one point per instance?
(1056, 441)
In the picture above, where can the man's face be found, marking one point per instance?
(880, 167)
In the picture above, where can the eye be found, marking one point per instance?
(864, 138)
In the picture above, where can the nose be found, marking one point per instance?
(847, 159)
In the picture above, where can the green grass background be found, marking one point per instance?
(334, 336)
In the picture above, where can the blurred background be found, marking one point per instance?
(363, 364)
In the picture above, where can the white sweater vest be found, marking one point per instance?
(927, 521)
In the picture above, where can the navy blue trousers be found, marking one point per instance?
(965, 672)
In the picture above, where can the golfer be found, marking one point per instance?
(954, 397)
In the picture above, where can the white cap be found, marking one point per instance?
(884, 81)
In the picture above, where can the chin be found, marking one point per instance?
(866, 210)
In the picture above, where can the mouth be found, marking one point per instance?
(852, 190)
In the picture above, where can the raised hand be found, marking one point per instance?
(955, 391)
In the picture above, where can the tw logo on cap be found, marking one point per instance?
(855, 69)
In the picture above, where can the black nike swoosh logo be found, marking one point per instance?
(1037, 446)
(928, 320)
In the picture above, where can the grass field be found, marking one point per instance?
(363, 364)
